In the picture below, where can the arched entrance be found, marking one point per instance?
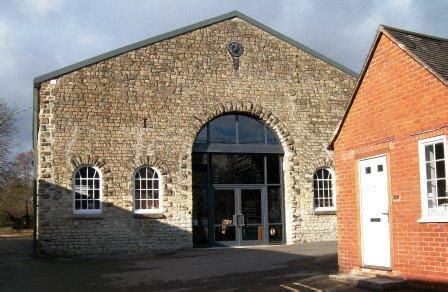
(237, 183)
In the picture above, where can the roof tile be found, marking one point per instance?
(432, 51)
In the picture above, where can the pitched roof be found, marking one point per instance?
(184, 30)
(429, 51)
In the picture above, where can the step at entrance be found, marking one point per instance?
(381, 283)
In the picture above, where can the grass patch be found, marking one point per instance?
(8, 231)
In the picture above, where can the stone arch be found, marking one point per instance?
(290, 160)
(151, 160)
(86, 159)
(266, 116)
(325, 162)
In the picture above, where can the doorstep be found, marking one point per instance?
(382, 283)
(349, 278)
(371, 281)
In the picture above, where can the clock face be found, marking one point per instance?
(235, 49)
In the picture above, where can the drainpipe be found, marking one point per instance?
(35, 130)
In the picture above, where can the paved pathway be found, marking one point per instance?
(276, 268)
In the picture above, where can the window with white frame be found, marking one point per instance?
(433, 166)
(323, 190)
(147, 190)
(87, 190)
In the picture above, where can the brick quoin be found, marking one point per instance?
(397, 99)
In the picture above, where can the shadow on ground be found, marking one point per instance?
(264, 268)
(302, 267)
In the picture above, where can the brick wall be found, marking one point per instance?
(397, 100)
(95, 115)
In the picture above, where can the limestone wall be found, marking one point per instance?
(95, 115)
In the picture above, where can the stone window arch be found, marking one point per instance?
(87, 190)
(147, 190)
(324, 190)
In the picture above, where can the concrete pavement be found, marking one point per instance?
(256, 268)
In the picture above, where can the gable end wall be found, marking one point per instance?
(398, 103)
(95, 115)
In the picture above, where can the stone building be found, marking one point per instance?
(212, 134)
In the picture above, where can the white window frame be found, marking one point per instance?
(422, 167)
(333, 191)
(160, 178)
(87, 211)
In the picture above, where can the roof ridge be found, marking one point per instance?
(183, 30)
(413, 33)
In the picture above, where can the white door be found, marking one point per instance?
(374, 212)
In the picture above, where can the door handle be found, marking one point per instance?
(242, 220)
(385, 213)
(238, 220)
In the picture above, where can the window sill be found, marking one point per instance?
(324, 211)
(433, 220)
(149, 216)
(88, 216)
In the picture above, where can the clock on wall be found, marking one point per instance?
(235, 49)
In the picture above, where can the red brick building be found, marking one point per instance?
(391, 161)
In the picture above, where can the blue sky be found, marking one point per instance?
(38, 36)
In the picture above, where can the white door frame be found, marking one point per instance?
(383, 216)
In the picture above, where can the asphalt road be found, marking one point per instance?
(276, 268)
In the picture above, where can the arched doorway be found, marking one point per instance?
(237, 183)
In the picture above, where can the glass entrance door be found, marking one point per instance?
(224, 210)
(238, 216)
(251, 211)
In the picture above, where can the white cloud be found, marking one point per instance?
(37, 36)
(89, 38)
(6, 54)
(40, 7)
(396, 13)
(75, 43)
(4, 31)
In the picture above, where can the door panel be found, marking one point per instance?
(375, 212)
(239, 216)
(251, 209)
(224, 208)
(274, 210)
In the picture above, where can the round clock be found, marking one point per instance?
(235, 49)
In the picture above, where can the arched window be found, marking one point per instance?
(87, 190)
(236, 133)
(324, 190)
(147, 194)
